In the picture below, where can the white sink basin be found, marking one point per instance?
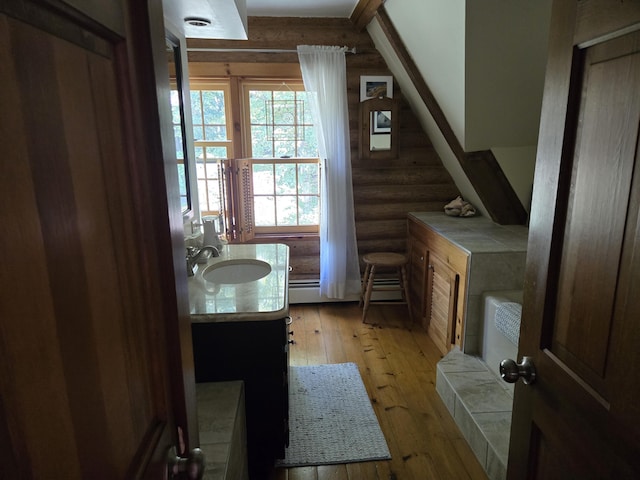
(241, 270)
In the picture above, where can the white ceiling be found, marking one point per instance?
(228, 18)
(301, 8)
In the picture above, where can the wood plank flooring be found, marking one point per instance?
(397, 362)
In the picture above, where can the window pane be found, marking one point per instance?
(260, 147)
(213, 106)
(263, 179)
(306, 112)
(308, 210)
(308, 178)
(308, 147)
(200, 168)
(196, 110)
(284, 94)
(287, 210)
(284, 132)
(216, 152)
(198, 132)
(283, 149)
(202, 194)
(288, 127)
(285, 178)
(264, 208)
(257, 106)
(284, 113)
(215, 133)
(214, 196)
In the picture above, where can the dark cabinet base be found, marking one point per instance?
(255, 352)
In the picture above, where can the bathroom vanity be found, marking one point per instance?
(452, 261)
(241, 332)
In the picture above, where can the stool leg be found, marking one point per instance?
(367, 295)
(365, 279)
(405, 289)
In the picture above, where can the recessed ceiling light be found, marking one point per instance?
(197, 21)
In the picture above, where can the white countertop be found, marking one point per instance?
(263, 299)
(476, 234)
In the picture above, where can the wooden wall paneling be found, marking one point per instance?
(287, 32)
(304, 255)
(406, 193)
(374, 211)
(384, 191)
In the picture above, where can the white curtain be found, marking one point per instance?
(324, 74)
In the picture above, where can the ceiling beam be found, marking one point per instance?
(363, 13)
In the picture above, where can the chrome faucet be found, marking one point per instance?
(193, 254)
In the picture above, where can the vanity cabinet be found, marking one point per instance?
(438, 271)
(257, 353)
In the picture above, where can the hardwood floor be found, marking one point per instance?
(397, 362)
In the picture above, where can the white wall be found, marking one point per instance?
(518, 165)
(506, 54)
(434, 32)
(484, 61)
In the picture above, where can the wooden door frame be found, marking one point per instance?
(159, 203)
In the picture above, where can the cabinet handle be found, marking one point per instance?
(291, 342)
(430, 267)
(291, 332)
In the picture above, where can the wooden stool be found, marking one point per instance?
(378, 260)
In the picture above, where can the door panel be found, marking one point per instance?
(580, 420)
(84, 310)
(597, 209)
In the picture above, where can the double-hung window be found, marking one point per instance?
(213, 135)
(272, 186)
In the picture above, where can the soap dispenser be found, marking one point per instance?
(210, 232)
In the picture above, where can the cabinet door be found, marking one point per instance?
(442, 295)
(255, 352)
(418, 280)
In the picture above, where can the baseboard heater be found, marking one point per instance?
(308, 291)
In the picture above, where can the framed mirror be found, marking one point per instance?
(181, 120)
(378, 128)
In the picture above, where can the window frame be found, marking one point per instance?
(246, 86)
(237, 174)
(286, 229)
(199, 85)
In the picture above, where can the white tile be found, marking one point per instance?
(480, 392)
(456, 361)
(471, 432)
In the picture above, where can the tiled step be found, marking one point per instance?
(481, 405)
(222, 425)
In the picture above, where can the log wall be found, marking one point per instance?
(384, 191)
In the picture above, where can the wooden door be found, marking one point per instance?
(442, 295)
(92, 351)
(581, 317)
